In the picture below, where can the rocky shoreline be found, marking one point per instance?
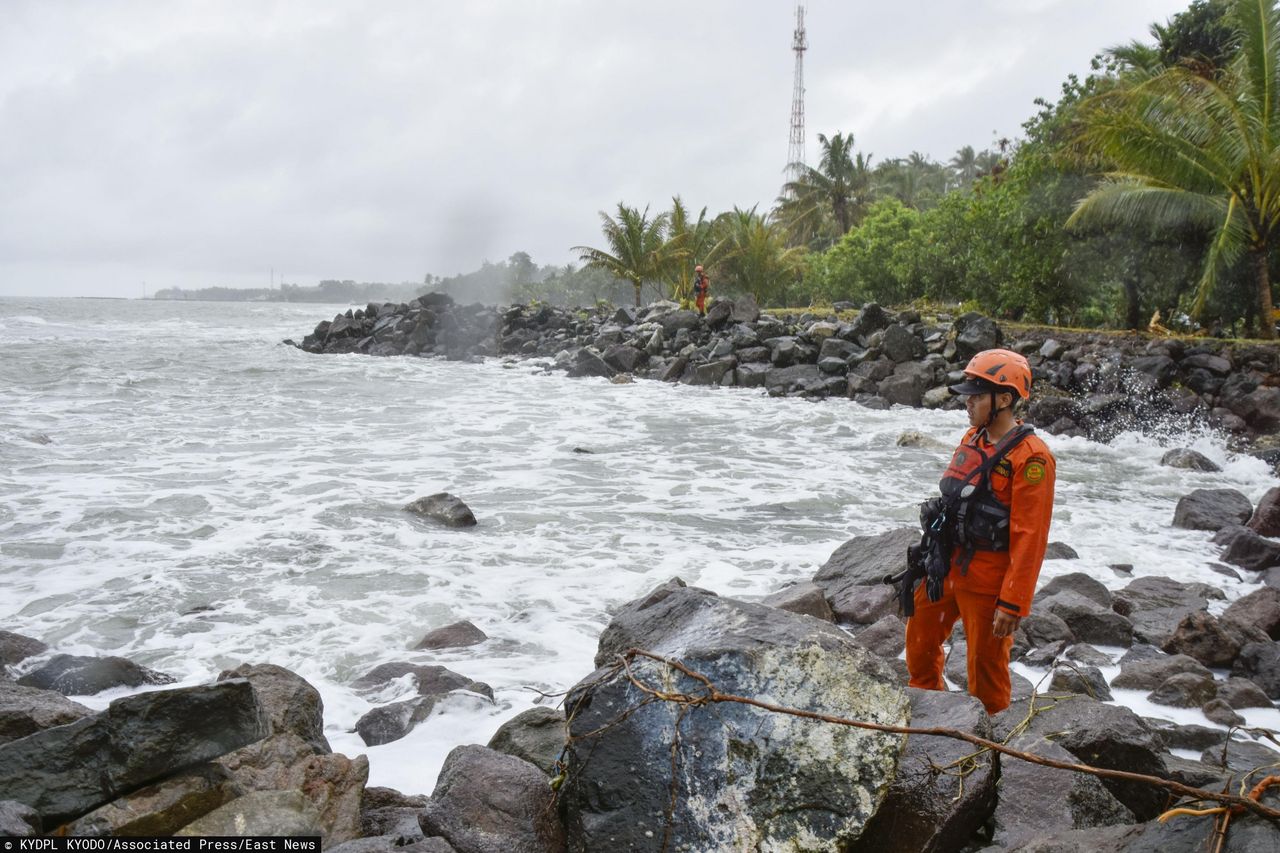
(1090, 384)
(634, 758)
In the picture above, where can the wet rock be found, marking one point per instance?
(589, 363)
(1087, 655)
(975, 333)
(26, 710)
(1187, 736)
(745, 310)
(864, 605)
(1033, 799)
(1156, 605)
(1211, 509)
(900, 345)
(445, 508)
(1265, 520)
(18, 821)
(159, 809)
(487, 802)
(453, 636)
(72, 675)
(1108, 736)
(430, 680)
(623, 358)
(1089, 621)
(806, 598)
(1079, 583)
(1041, 628)
(1221, 713)
(744, 777)
(1241, 693)
(1260, 663)
(1260, 608)
(536, 736)
(887, 637)
(784, 380)
(15, 648)
(866, 561)
(1184, 690)
(927, 811)
(391, 815)
(262, 813)
(1191, 460)
(333, 784)
(291, 703)
(1248, 550)
(1197, 774)
(1060, 551)
(1213, 642)
(1086, 680)
(1241, 756)
(69, 770)
(1089, 840)
(1150, 673)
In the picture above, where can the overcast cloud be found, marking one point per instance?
(194, 143)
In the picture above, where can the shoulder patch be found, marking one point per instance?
(1034, 472)
(1039, 459)
(1004, 468)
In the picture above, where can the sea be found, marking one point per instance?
(181, 488)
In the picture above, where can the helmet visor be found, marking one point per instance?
(978, 386)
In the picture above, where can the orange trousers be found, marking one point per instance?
(930, 627)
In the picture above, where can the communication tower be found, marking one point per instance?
(795, 154)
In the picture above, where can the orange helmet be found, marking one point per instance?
(996, 370)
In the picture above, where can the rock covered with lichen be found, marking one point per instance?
(727, 776)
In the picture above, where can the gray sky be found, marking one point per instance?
(195, 143)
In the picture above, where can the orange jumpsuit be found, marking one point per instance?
(700, 287)
(1022, 481)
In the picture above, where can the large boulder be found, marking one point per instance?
(387, 723)
(292, 704)
(975, 333)
(536, 736)
(1100, 735)
(453, 636)
(18, 821)
(1246, 549)
(1260, 663)
(1260, 608)
(865, 561)
(1183, 457)
(1211, 509)
(1150, 673)
(1090, 622)
(728, 776)
(1265, 520)
(806, 598)
(261, 813)
(26, 710)
(1155, 605)
(161, 808)
(445, 508)
(15, 648)
(1210, 640)
(488, 802)
(66, 771)
(927, 811)
(73, 675)
(333, 784)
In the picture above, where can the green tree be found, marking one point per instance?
(754, 257)
(873, 262)
(1191, 150)
(822, 204)
(635, 250)
(689, 242)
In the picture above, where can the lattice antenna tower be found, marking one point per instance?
(795, 153)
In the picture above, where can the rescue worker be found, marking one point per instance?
(701, 284)
(998, 531)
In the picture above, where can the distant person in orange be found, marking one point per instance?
(993, 527)
(701, 284)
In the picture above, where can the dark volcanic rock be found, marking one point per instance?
(865, 561)
(15, 648)
(18, 821)
(1209, 640)
(259, 813)
(1089, 621)
(1085, 680)
(927, 811)
(291, 703)
(1248, 550)
(444, 508)
(744, 777)
(1060, 551)
(536, 735)
(453, 636)
(806, 598)
(431, 680)
(71, 675)
(1184, 690)
(26, 710)
(488, 802)
(1243, 693)
(1266, 515)
(1185, 458)
(1212, 509)
(1150, 673)
(1260, 608)
(66, 771)
(1079, 583)
(1260, 663)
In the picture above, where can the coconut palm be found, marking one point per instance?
(964, 166)
(689, 242)
(635, 246)
(1190, 149)
(820, 205)
(754, 255)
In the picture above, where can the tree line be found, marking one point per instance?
(1150, 190)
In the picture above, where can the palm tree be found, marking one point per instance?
(964, 166)
(841, 186)
(689, 242)
(1188, 149)
(755, 256)
(635, 246)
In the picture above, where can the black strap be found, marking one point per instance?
(1010, 440)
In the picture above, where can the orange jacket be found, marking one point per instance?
(1023, 481)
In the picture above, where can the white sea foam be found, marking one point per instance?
(210, 497)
